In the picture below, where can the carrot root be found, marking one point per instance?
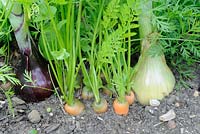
(75, 109)
(121, 108)
(87, 94)
(130, 98)
(100, 107)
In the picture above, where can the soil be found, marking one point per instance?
(140, 120)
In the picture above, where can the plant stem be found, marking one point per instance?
(145, 19)
(19, 24)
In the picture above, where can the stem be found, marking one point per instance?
(129, 49)
(74, 51)
(19, 24)
(95, 33)
(55, 69)
(145, 19)
(72, 58)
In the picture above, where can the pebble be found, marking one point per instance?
(196, 93)
(51, 114)
(2, 103)
(170, 115)
(192, 116)
(154, 102)
(171, 124)
(182, 130)
(149, 109)
(177, 104)
(34, 116)
(51, 128)
(20, 111)
(17, 101)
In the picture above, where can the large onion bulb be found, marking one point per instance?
(153, 79)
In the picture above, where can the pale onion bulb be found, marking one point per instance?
(153, 79)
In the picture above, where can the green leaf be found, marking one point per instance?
(6, 75)
(60, 2)
(61, 54)
(33, 131)
(44, 13)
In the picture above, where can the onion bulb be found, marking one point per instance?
(42, 86)
(153, 79)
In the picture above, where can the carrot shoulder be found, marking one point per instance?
(120, 108)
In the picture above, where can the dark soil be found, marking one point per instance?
(140, 120)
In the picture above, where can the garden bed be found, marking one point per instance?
(140, 120)
(76, 49)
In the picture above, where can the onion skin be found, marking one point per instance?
(40, 75)
(153, 79)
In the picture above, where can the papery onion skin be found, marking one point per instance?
(153, 79)
(40, 74)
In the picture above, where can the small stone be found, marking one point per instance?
(2, 103)
(51, 128)
(170, 115)
(100, 118)
(196, 93)
(17, 101)
(51, 114)
(149, 109)
(154, 102)
(182, 130)
(192, 116)
(21, 111)
(171, 124)
(82, 118)
(34, 116)
(177, 104)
